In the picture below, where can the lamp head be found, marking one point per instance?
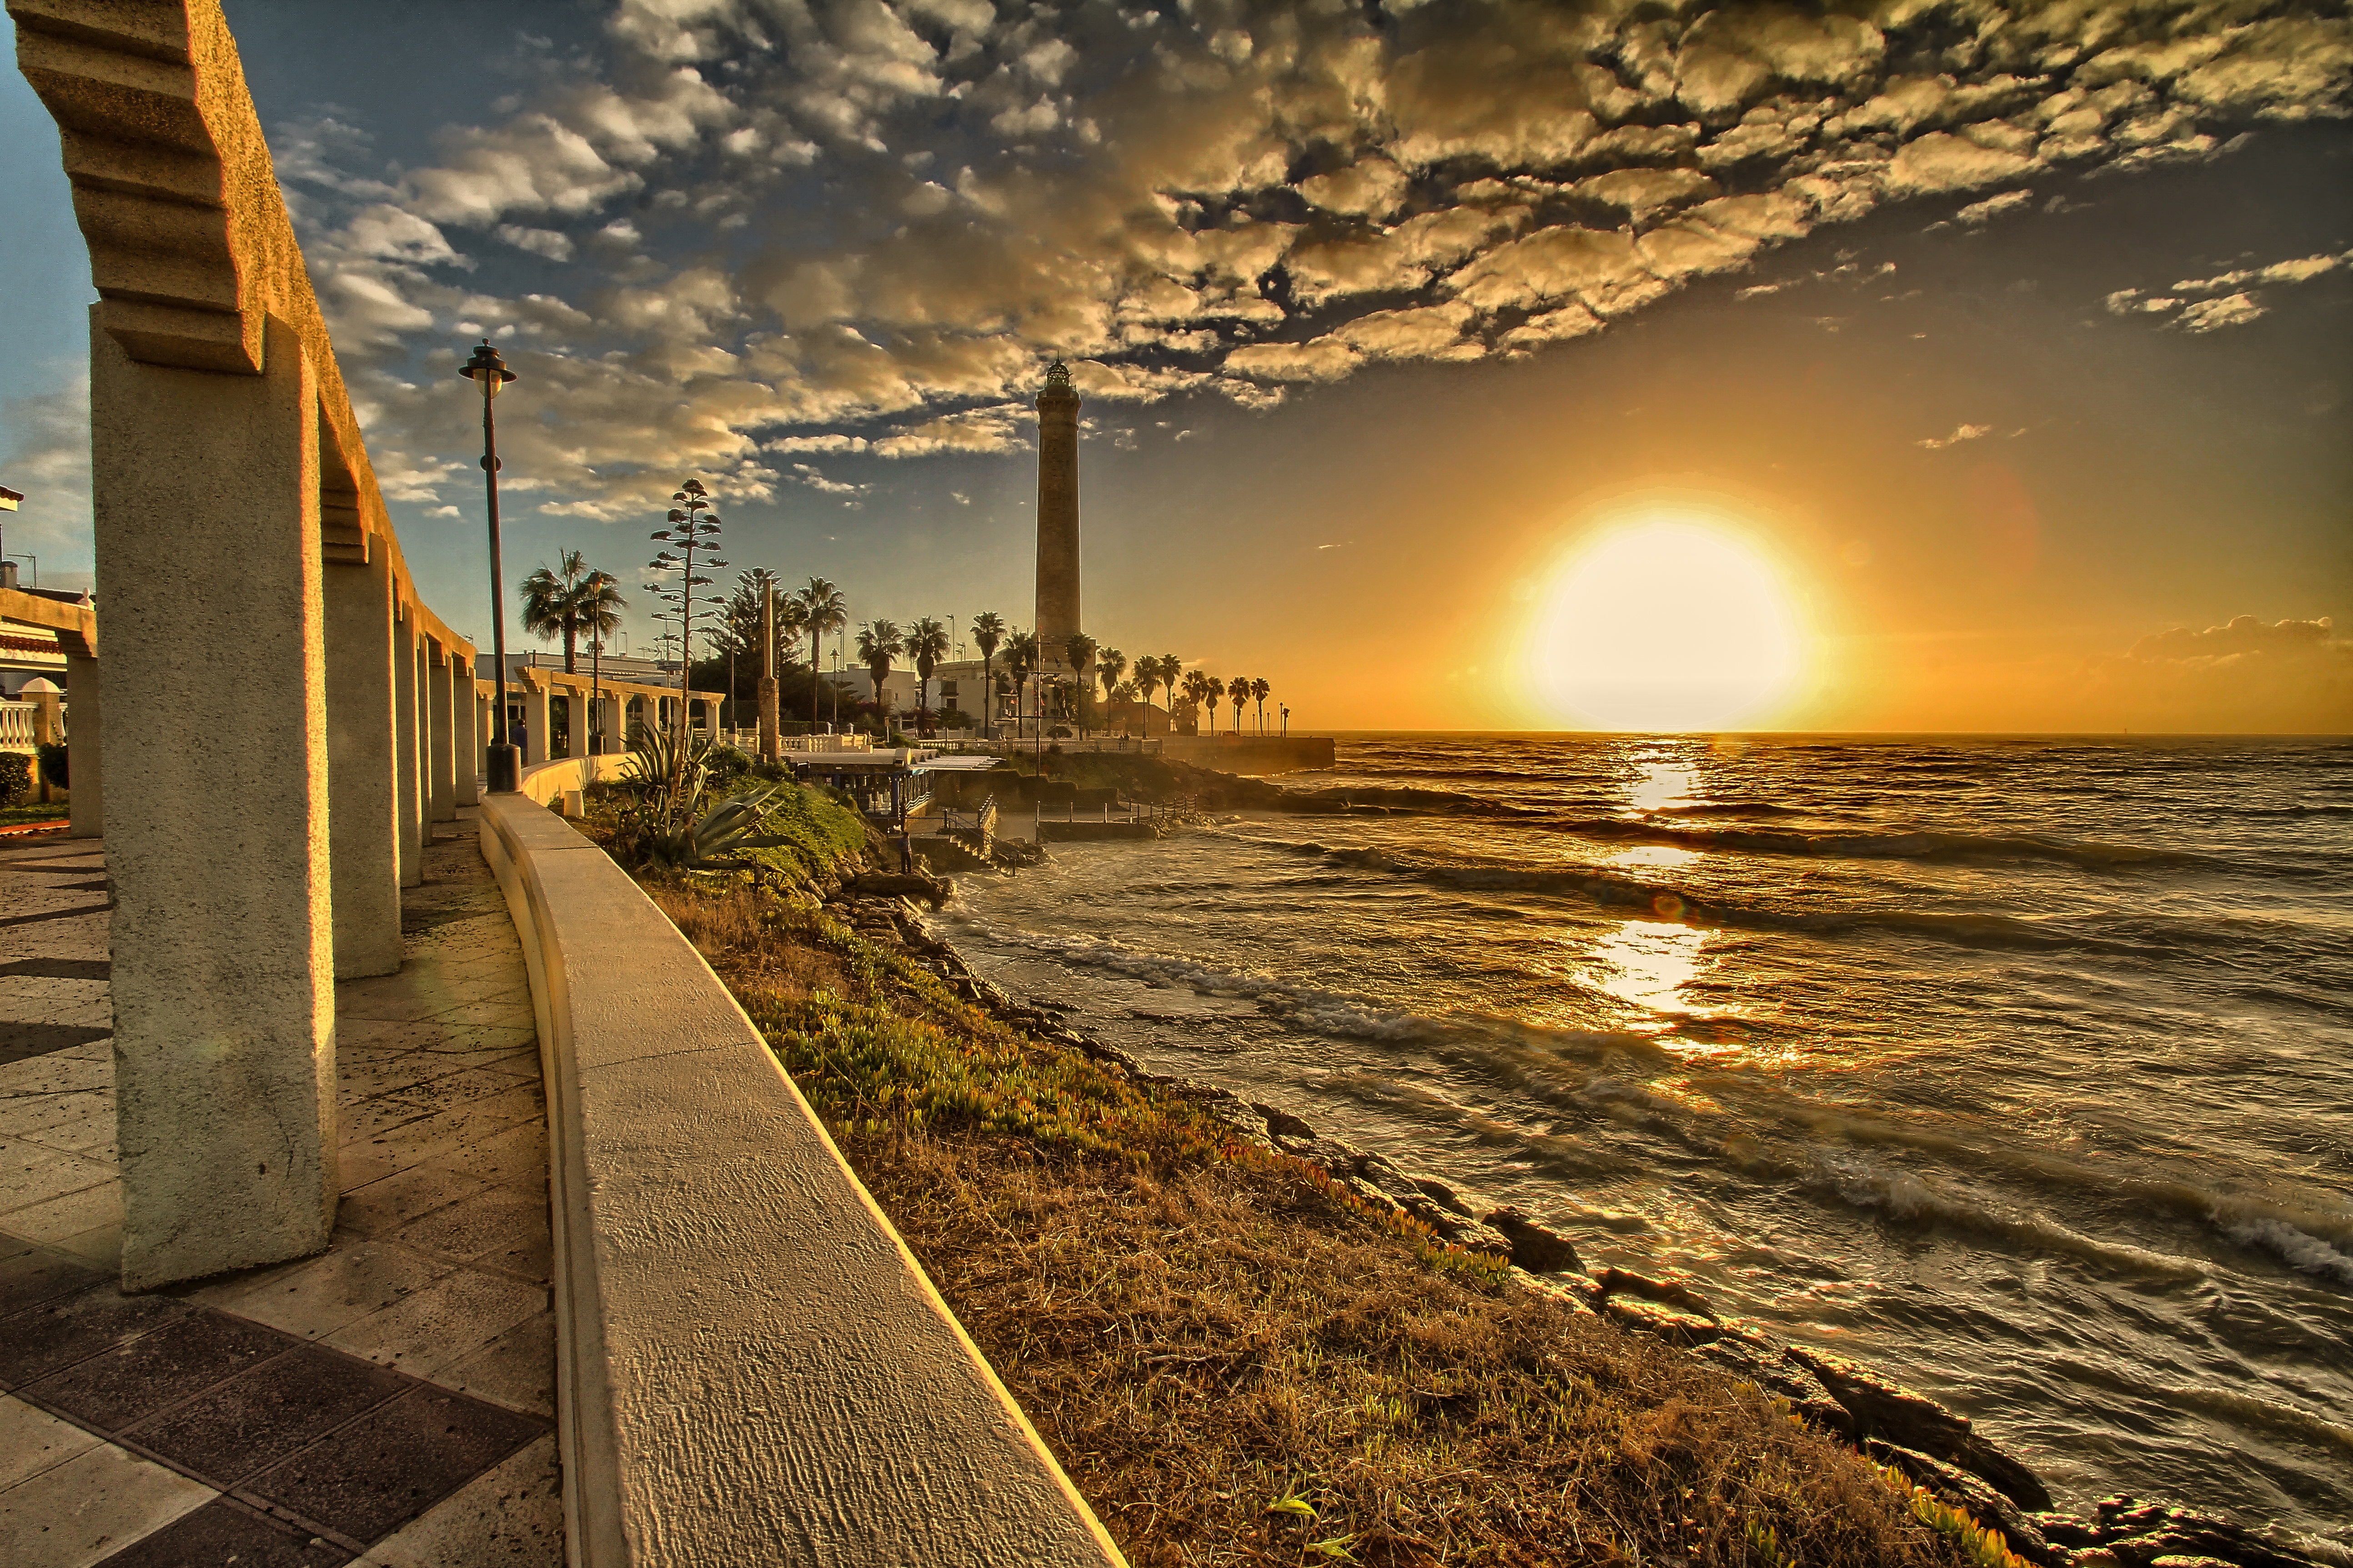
(487, 371)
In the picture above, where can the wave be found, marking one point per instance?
(1924, 844)
(1662, 901)
(1906, 1196)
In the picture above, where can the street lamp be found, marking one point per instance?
(1286, 721)
(487, 371)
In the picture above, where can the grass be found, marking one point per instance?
(1235, 1362)
(32, 811)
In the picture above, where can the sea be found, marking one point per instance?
(2019, 1068)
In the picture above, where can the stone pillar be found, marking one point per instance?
(363, 820)
(84, 757)
(441, 753)
(534, 719)
(218, 841)
(473, 734)
(1058, 515)
(408, 749)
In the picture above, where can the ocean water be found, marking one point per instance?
(2020, 1069)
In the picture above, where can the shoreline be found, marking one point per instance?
(1930, 1445)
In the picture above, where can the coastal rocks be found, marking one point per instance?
(1534, 1248)
(1686, 1329)
(2128, 1533)
(1888, 1410)
(933, 890)
(1972, 1494)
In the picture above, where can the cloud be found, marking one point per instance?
(2246, 674)
(47, 459)
(861, 226)
(2238, 304)
(1960, 433)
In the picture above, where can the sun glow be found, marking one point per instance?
(1670, 624)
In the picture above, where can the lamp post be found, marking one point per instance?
(1286, 721)
(487, 371)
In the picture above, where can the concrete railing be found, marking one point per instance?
(751, 1366)
(17, 720)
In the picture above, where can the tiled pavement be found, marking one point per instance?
(388, 1404)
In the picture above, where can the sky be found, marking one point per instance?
(2006, 346)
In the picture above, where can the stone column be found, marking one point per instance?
(472, 732)
(84, 758)
(442, 753)
(534, 718)
(217, 840)
(408, 749)
(363, 820)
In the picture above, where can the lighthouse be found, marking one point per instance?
(1058, 515)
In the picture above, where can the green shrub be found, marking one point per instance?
(53, 763)
(15, 777)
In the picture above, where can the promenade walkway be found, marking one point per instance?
(389, 1403)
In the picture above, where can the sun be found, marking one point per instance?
(1665, 624)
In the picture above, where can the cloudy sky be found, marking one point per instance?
(2015, 338)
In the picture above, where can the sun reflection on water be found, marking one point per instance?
(1649, 963)
(1661, 784)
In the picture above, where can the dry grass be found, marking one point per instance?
(1233, 1363)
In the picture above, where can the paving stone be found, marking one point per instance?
(225, 1533)
(317, 1296)
(60, 1073)
(52, 1222)
(260, 1418)
(499, 1227)
(369, 1477)
(510, 1517)
(517, 1155)
(30, 1115)
(31, 1174)
(192, 1352)
(383, 1207)
(445, 1323)
(33, 1440)
(516, 1369)
(94, 1504)
(41, 1340)
(31, 1276)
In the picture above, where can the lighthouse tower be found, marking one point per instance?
(1058, 515)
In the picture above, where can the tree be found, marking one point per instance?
(928, 642)
(1020, 658)
(1260, 690)
(1110, 664)
(1172, 670)
(1081, 650)
(1200, 687)
(1238, 688)
(556, 603)
(878, 644)
(822, 610)
(987, 633)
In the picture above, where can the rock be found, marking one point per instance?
(1613, 1281)
(2011, 1476)
(1561, 1291)
(1535, 1247)
(1471, 1235)
(1440, 1193)
(1963, 1490)
(2065, 1528)
(2177, 1561)
(2089, 1557)
(1886, 1409)
(1658, 1317)
(1281, 1124)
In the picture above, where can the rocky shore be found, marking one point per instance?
(1909, 1434)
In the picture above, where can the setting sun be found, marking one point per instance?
(1665, 625)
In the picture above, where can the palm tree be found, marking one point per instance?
(928, 643)
(987, 632)
(1260, 690)
(1199, 688)
(1110, 664)
(1147, 676)
(1080, 648)
(554, 604)
(1172, 670)
(822, 610)
(1020, 657)
(878, 644)
(1238, 688)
